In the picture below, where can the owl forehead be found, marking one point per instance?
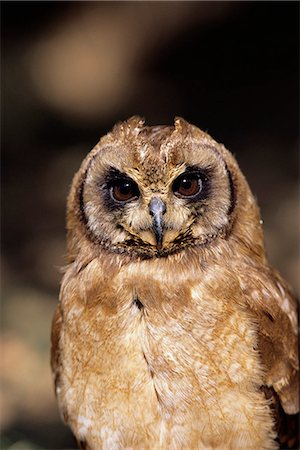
(155, 156)
(159, 160)
(168, 149)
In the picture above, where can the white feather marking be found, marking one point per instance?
(143, 151)
(84, 424)
(110, 438)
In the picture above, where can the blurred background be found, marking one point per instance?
(70, 70)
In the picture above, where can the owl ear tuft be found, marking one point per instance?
(181, 125)
(185, 128)
(132, 126)
(135, 122)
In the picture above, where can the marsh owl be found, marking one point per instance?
(172, 330)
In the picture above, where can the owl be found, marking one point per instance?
(172, 330)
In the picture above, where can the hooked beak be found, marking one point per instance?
(157, 209)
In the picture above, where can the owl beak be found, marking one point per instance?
(157, 209)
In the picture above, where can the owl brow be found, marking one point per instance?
(114, 174)
(208, 170)
(232, 190)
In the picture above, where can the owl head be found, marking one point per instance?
(154, 191)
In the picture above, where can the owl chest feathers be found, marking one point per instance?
(167, 363)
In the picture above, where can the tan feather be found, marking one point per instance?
(177, 344)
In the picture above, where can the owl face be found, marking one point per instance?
(152, 191)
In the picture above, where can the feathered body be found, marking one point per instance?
(171, 325)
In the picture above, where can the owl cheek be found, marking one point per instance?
(148, 237)
(170, 236)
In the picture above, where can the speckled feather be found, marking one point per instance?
(170, 348)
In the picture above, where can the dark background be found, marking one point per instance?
(70, 70)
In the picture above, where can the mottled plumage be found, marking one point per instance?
(172, 330)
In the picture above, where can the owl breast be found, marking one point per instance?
(167, 363)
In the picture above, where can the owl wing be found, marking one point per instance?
(276, 310)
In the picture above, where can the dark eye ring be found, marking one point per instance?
(188, 185)
(124, 190)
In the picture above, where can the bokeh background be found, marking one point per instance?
(70, 70)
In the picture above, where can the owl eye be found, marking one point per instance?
(187, 185)
(124, 190)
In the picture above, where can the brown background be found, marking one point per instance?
(69, 72)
